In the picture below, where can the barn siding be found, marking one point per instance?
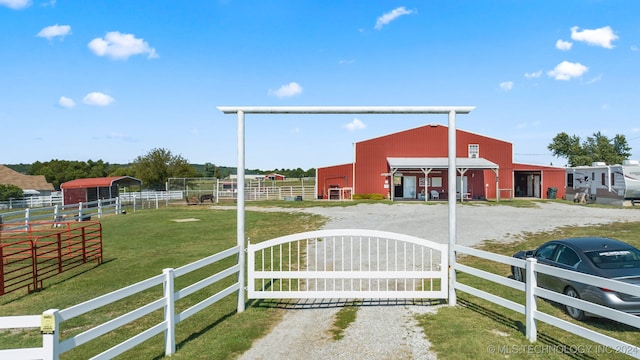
(336, 176)
(430, 141)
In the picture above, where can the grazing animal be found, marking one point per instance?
(205, 197)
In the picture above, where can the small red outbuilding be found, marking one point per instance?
(92, 189)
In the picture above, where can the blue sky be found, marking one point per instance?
(111, 80)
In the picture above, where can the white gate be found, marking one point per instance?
(347, 263)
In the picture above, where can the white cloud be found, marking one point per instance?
(533, 75)
(291, 89)
(98, 99)
(356, 124)
(15, 4)
(506, 86)
(634, 48)
(121, 46)
(597, 37)
(56, 30)
(66, 103)
(563, 45)
(391, 15)
(567, 70)
(343, 61)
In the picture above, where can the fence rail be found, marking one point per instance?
(531, 290)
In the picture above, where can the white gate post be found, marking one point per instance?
(169, 312)
(452, 205)
(240, 212)
(99, 208)
(50, 327)
(530, 300)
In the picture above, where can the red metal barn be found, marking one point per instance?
(536, 181)
(333, 177)
(274, 176)
(413, 164)
(92, 189)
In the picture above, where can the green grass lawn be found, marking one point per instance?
(138, 246)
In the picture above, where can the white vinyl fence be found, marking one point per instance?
(32, 202)
(50, 321)
(275, 277)
(530, 310)
(82, 211)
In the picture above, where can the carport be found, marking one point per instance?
(428, 164)
(92, 189)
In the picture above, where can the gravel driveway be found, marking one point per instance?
(391, 332)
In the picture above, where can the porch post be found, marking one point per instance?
(240, 211)
(452, 205)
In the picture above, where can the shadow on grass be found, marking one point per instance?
(54, 280)
(197, 334)
(517, 325)
(299, 304)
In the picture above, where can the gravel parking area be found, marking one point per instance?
(390, 331)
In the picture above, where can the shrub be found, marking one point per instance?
(10, 191)
(368, 197)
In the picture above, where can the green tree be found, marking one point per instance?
(210, 170)
(596, 148)
(158, 165)
(10, 191)
(58, 171)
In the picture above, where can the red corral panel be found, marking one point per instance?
(338, 176)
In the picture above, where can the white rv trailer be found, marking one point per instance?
(605, 184)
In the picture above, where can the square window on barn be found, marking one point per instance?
(474, 151)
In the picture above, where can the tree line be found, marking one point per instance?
(154, 169)
(158, 165)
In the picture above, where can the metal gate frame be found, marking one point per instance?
(347, 263)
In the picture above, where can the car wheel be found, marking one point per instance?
(517, 273)
(571, 311)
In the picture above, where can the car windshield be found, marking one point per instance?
(615, 259)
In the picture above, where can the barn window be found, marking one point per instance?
(474, 151)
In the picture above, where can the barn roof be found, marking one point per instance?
(24, 182)
(439, 163)
(100, 182)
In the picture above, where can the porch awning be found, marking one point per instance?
(398, 163)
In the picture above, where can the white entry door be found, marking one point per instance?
(409, 187)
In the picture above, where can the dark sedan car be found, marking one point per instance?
(604, 257)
